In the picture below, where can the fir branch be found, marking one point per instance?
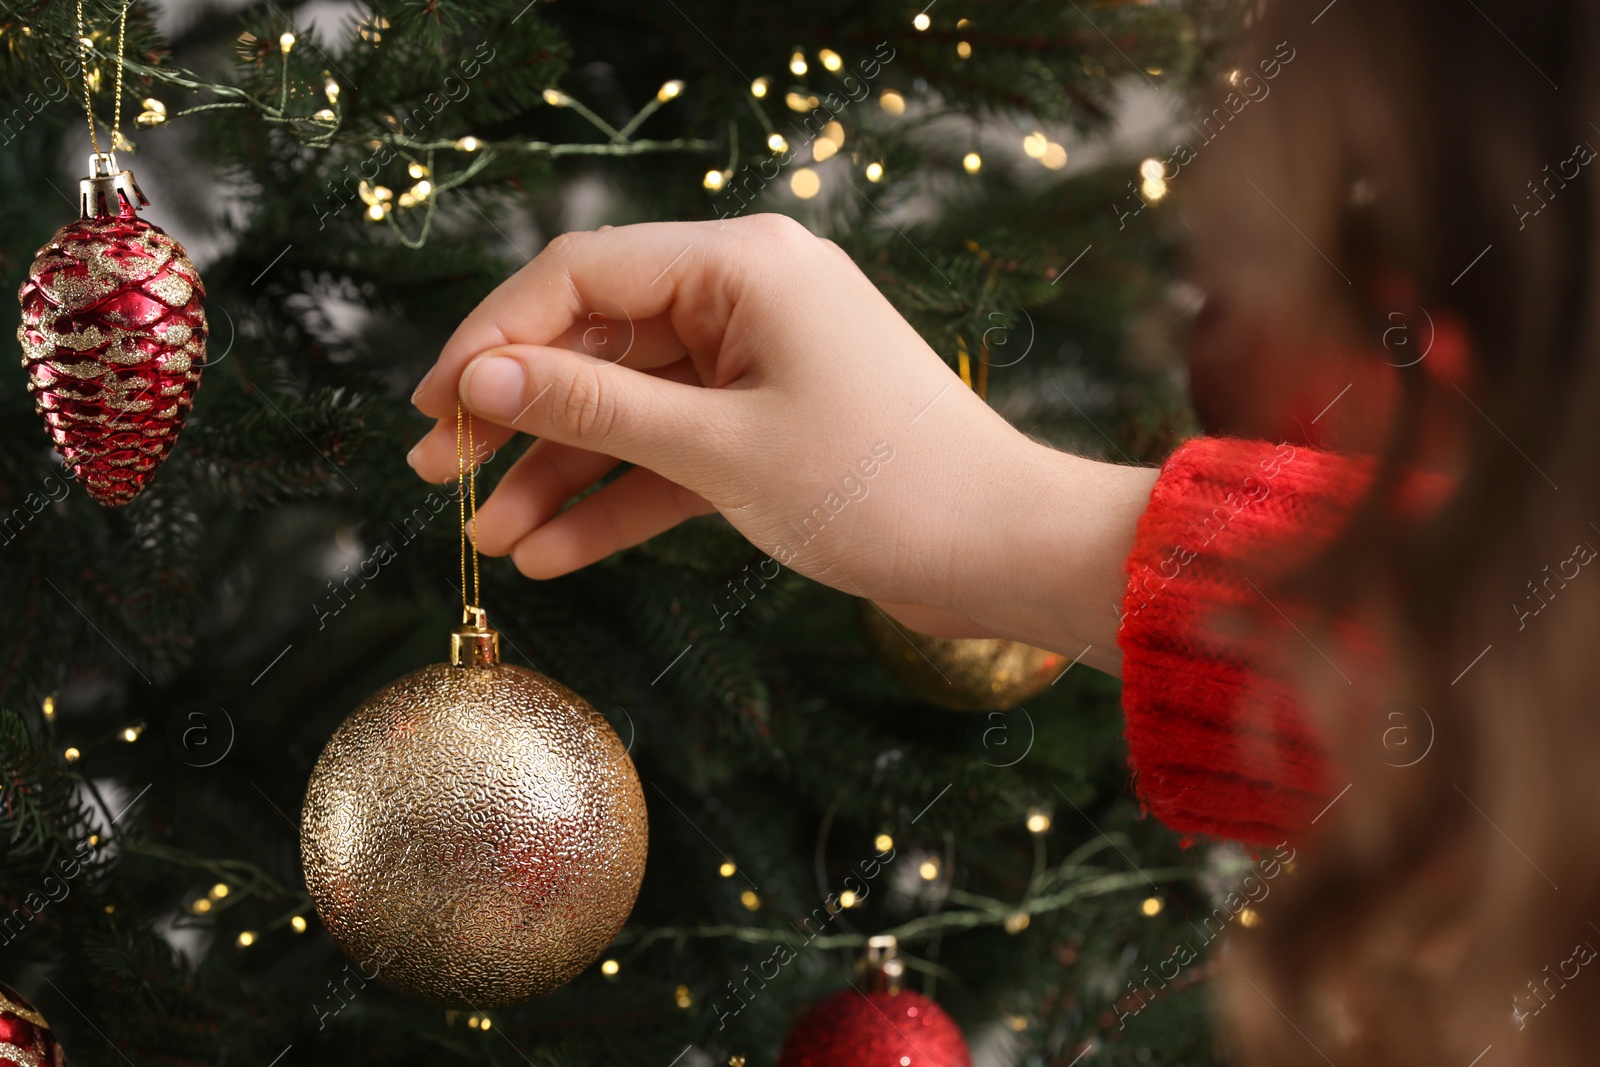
(42, 816)
(244, 879)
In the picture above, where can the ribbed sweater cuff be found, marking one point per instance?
(1219, 747)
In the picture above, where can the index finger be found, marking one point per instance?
(641, 271)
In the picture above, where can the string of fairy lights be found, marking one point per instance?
(439, 165)
(1050, 889)
(805, 182)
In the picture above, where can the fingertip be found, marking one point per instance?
(433, 396)
(423, 384)
(537, 556)
(493, 535)
(492, 386)
(533, 567)
(430, 460)
(435, 457)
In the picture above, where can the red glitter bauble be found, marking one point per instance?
(113, 337)
(852, 1029)
(25, 1038)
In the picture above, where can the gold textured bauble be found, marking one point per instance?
(474, 834)
(960, 673)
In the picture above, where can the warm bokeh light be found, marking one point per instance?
(805, 182)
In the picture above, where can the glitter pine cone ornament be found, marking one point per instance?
(475, 831)
(961, 673)
(113, 337)
(25, 1037)
(876, 1024)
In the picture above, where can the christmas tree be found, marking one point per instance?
(350, 185)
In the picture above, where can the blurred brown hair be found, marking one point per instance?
(1388, 173)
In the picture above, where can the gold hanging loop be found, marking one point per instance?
(88, 100)
(467, 490)
(475, 643)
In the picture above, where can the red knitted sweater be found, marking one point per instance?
(1219, 746)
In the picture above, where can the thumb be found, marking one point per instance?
(572, 398)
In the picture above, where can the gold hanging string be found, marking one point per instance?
(472, 489)
(980, 385)
(467, 490)
(83, 64)
(963, 361)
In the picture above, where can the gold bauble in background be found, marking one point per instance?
(475, 832)
(960, 673)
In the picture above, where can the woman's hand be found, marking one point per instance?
(750, 368)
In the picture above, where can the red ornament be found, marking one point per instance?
(853, 1029)
(113, 336)
(25, 1038)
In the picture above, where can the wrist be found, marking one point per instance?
(1047, 565)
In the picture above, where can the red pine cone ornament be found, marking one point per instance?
(25, 1038)
(113, 336)
(884, 1026)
